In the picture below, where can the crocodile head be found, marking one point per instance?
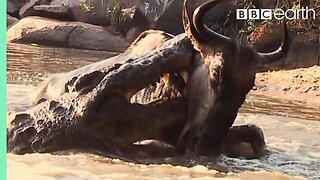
(96, 109)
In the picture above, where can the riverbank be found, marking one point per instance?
(301, 84)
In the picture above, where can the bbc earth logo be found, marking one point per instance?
(267, 14)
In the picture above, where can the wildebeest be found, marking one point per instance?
(219, 84)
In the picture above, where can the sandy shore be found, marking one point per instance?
(302, 84)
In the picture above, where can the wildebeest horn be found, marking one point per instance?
(280, 52)
(188, 25)
(204, 31)
(217, 39)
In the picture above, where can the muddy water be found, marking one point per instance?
(292, 132)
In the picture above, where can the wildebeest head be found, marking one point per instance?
(208, 42)
(220, 83)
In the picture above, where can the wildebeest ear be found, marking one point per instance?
(188, 26)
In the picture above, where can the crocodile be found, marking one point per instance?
(95, 111)
(168, 88)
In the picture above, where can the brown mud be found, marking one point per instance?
(300, 84)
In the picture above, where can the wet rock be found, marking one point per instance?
(13, 7)
(61, 12)
(28, 10)
(170, 20)
(132, 34)
(151, 8)
(304, 47)
(130, 3)
(11, 21)
(62, 9)
(64, 34)
(132, 22)
(266, 37)
(89, 11)
(94, 12)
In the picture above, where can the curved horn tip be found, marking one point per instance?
(285, 41)
(281, 52)
(201, 27)
(188, 25)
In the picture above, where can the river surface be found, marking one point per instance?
(291, 129)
